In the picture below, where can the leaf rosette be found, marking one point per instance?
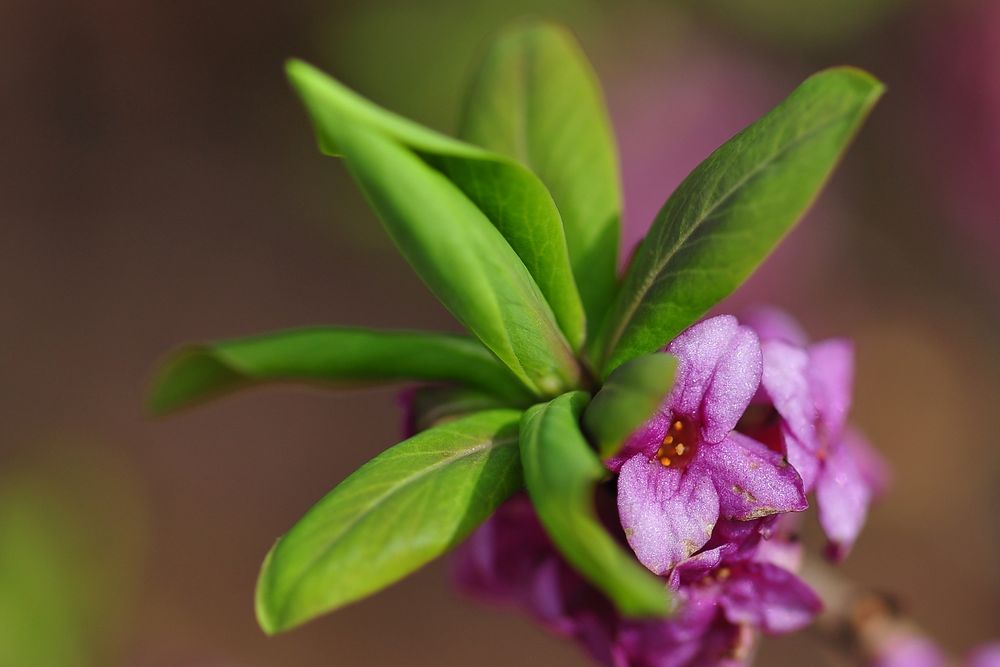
(515, 228)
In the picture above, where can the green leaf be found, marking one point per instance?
(341, 356)
(732, 210)
(629, 397)
(561, 472)
(536, 99)
(430, 406)
(479, 229)
(400, 510)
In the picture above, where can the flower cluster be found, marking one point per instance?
(708, 493)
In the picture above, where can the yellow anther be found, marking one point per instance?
(673, 448)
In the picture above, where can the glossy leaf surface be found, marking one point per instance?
(328, 355)
(731, 211)
(628, 398)
(561, 472)
(479, 229)
(536, 99)
(397, 512)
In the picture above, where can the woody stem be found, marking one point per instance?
(856, 621)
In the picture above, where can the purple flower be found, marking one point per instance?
(697, 502)
(510, 560)
(985, 656)
(801, 411)
(910, 651)
(757, 592)
(699, 636)
(686, 468)
(727, 598)
(918, 651)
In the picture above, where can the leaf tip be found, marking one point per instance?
(526, 25)
(317, 92)
(298, 71)
(630, 396)
(188, 375)
(862, 80)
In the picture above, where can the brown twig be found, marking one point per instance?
(859, 623)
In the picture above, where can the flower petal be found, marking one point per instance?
(741, 539)
(910, 651)
(803, 458)
(985, 656)
(774, 324)
(675, 642)
(786, 380)
(736, 379)
(783, 553)
(844, 491)
(872, 466)
(697, 566)
(501, 558)
(770, 598)
(718, 372)
(667, 514)
(831, 376)
(599, 638)
(546, 598)
(752, 481)
(726, 645)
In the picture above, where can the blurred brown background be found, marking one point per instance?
(159, 184)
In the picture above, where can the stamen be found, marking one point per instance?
(675, 449)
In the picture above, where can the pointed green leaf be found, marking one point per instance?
(561, 472)
(535, 98)
(629, 397)
(329, 355)
(732, 210)
(435, 194)
(397, 512)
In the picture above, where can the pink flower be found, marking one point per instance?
(686, 468)
(911, 652)
(987, 655)
(801, 411)
(918, 651)
(697, 503)
(726, 597)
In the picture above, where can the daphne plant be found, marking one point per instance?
(663, 458)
